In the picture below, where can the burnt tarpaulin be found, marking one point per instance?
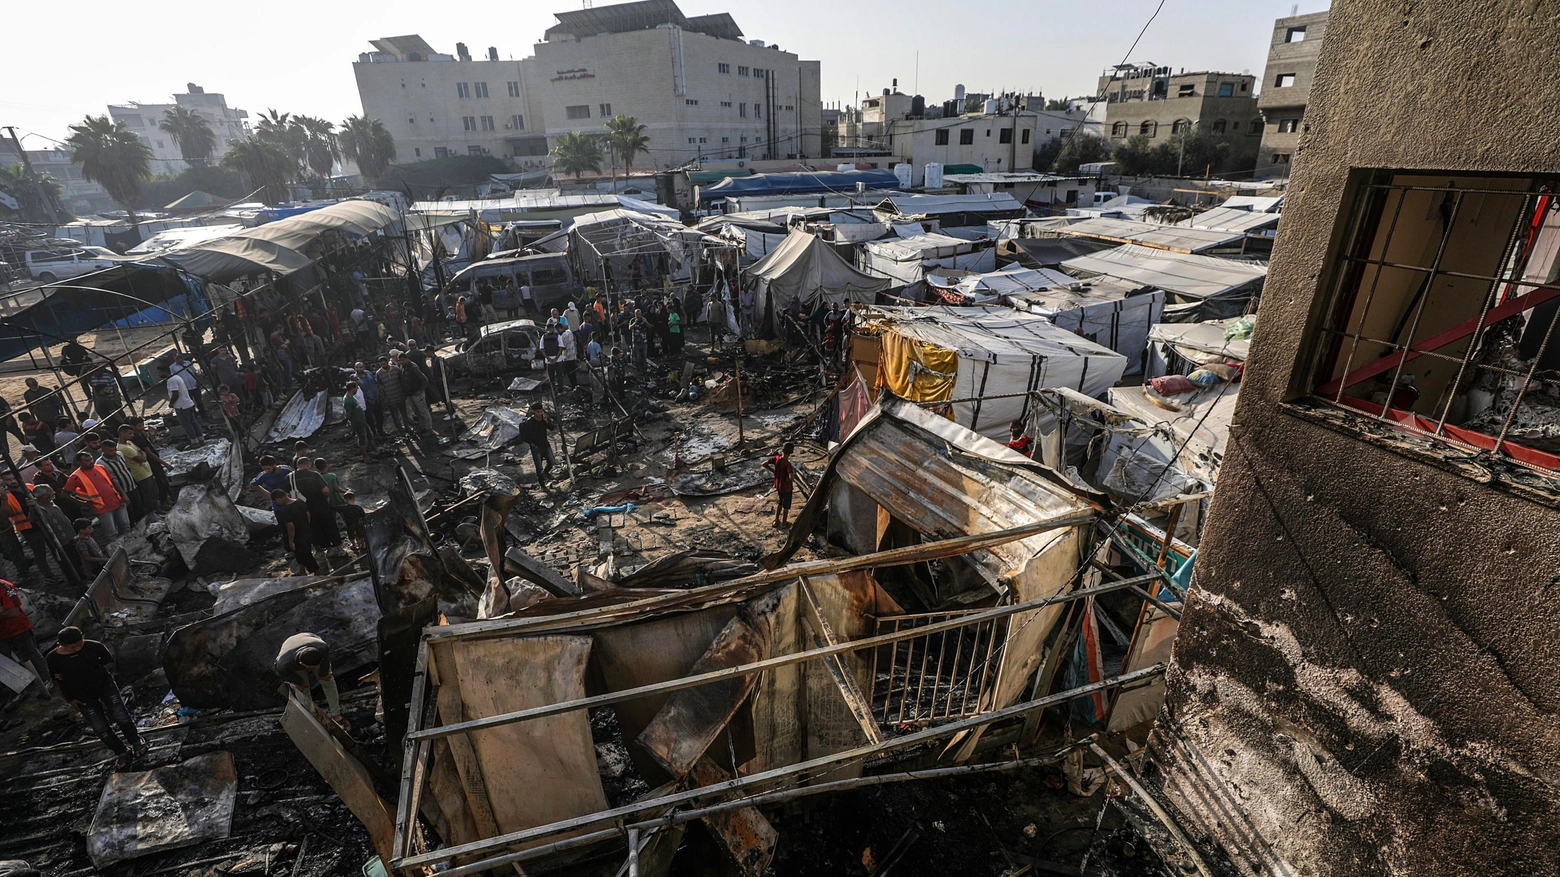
(226, 661)
(498, 426)
(406, 566)
(144, 812)
(208, 530)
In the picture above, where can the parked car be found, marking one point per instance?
(502, 347)
(549, 275)
(47, 266)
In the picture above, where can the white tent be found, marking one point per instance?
(1177, 348)
(1117, 315)
(1000, 355)
(1201, 287)
(906, 259)
(805, 267)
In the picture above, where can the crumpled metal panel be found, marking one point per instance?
(203, 512)
(498, 426)
(144, 812)
(302, 416)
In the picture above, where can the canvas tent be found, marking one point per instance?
(279, 247)
(1178, 348)
(1198, 287)
(1105, 311)
(804, 267)
(976, 354)
(1233, 219)
(906, 260)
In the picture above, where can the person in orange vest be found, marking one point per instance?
(91, 485)
(18, 499)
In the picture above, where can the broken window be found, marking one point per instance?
(1284, 80)
(1295, 35)
(1444, 302)
(1187, 90)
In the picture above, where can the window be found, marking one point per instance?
(726, 104)
(159, 144)
(1442, 317)
(1179, 125)
(1226, 89)
(1187, 90)
(417, 151)
(725, 139)
(487, 123)
(530, 146)
(1218, 126)
(1235, 126)
(517, 121)
(744, 140)
(410, 120)
(758, 111)
(1284, 80)
(1295, 35)
(468, 123)
(704, 139)
(581, 111)
(1256, 126)
(475, 150)
(966, 136)
(1288, 126)
(723, 68)
(1244, 86)
(1118, 129)
(441, 152)
(692, 101)
(514, 89)
(1005, 135)
(1281, 158)
(692, 140)
(480, 88)
(759, 72)
(1151, 128)
(463, 90)
(1072, 196)
(1025, 137)
(742, 71)
(606, 111)
(742, 110)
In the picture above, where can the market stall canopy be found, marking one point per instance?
(279, 246)
(805, 267)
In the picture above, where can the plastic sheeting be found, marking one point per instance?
(1149, 234)
(278, 246)
(800, 183)
(807, 268)
(1117, 317)
(1221, 284)
(989, 352)
(1232, 219)
(908, 258)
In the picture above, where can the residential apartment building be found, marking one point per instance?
(1365, 680)
(697, 86)
(1286, 89)
(79, 195)
(1145, 99)
(227, 123)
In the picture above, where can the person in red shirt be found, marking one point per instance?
(91, 485)
(1024, 444)
(16, 635)
(785, 483)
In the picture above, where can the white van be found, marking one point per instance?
(47, 266)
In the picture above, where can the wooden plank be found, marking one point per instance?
(14, 676)
(746, 835)
(855, 701)
(465, 758)
(345, 775)
(532, 570)
(413, 757)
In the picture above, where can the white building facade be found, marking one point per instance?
(227, 123)
(699, 89)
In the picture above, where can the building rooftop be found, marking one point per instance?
(640, 15)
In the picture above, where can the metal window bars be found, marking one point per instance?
(1377, 222)
(946, 674)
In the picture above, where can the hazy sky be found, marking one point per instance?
(62, 62)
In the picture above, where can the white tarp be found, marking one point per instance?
(1186, 277)
(1232, 219)
(805, 267)
(1197, 343)
(908, 259)
(1165, 237)
(1104, 312)
(1199, 423)
(1003, 352)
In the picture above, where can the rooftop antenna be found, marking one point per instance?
(1293, 10)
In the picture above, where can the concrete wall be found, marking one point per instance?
(1189, 97)
(1366, 680)
(1285, 107)
(421, 106)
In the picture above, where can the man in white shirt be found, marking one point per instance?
(182, 399)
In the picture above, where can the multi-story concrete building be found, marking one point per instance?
(697, 86)
(1365, 679)
(79, 195)
(1145, 99)
(1286, 89)
(227, 123)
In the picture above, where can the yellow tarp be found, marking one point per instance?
(916, 370)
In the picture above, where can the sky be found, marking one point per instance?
(74, 60)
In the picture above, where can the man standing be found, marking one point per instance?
(293, 517)
(124, 482)
(272, 478)
(533, 431)
(182, 399)
(44, 403)
(83, 670)
(19, 505)
(414, 381)
(106, 397)
(392, 392)
(140, 470)
(352, 403)
(305, 657)
(370, 387)
(92, 486)
(143, 442)
(315, 491)
(785, 483)
(16, 635)
(639, 333)
(552, 353)
(51, 519)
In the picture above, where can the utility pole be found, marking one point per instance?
(48, 209)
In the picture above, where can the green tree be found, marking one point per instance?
(191, 133)
(626, 139)
(266, 164)
(284, 131)
(112, 156)
(1079, 148)
(321, 150)
(1057, 104)
(367, 142)
(37, 195)
(576, 154)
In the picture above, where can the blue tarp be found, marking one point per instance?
(282, 211)
(843, 182)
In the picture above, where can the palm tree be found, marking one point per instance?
(367, 142)
(575, 154)
(37, 195)
(627, 139)
(112, 156)
(320, 148)
(191, 132)
(283, 130)
(267, 165)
